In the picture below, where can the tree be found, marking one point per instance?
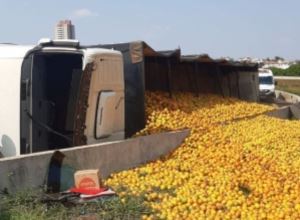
(277, 58)
(293, 70)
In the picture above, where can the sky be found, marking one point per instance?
(234, 28)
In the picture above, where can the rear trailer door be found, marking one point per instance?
(49, 96)
(100, 112)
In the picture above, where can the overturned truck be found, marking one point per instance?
(59, 94)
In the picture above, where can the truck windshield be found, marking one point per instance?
(266, 80)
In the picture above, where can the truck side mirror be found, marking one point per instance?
(276, 83)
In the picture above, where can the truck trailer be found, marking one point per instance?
(59, 94)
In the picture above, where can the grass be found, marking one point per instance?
(28, 205)
(292, 86)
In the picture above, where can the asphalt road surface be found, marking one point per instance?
(287, 77)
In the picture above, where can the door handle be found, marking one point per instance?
(25, 92)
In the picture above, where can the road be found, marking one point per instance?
(287, 77)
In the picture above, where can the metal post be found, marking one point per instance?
(228, 82)
(157, 69)
(196, 78)
(219, 79)
(169, 78)
(237, 83)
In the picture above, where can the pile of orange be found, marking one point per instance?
(237, 163)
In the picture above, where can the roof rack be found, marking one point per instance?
(61, 43)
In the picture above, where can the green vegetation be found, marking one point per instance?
(292, 86)
(293, 70)
(30, 205)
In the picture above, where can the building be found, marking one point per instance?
(64, 30)
(267, 63)
(280, 64)
(251, 60)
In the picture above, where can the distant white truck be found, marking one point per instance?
(57, 94)
(266, 83)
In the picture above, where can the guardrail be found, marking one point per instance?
(35, 170)
(286, 96)
(287, 77)
(286, 112)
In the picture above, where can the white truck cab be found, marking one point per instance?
(57, 94)
(266, 83)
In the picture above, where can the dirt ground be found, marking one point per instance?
(292, 86)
